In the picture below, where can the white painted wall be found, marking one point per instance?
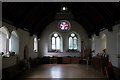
(24, 39)
(32, 54)
(0, 67)
(52, 27)
(95, 44)
(112, 44)
(0, 57)
(7, 62)
(119, 46)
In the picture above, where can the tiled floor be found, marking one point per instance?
(63, 71)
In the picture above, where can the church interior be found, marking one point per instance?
(65, 40)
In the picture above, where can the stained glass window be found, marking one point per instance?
(64, 25)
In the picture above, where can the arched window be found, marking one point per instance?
(64, 25)
(3, 40)
(93, 43)
(35, 44)
(55, 42)
(103, 41)
(73, 41)
(14, 43)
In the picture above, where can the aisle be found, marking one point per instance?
(63, 71)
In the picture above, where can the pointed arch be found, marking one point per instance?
(93, 43)
(14, 42)
(4, 30)
(35, 43)
(4, 39)
(73, 41)
(103, 41)
(55, 42)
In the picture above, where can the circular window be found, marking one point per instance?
(64, 25)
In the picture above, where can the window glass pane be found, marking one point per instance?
(58, 43)
(53, 42)
(75, 42)
(72, 34)
(93, 43)
(14, 43)
(10, 45)
(35, 44)
(0, 41)
(70, 43)
(55, 35)
(4, 40)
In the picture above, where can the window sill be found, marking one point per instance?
(72, 51)
(5, 56)
(35, 51)
(56, 51)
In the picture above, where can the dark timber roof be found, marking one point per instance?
(35, 16)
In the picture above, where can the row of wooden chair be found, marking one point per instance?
(62, 60)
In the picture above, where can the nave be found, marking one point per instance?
(60, 40)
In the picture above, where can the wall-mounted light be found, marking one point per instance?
(64, 9)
